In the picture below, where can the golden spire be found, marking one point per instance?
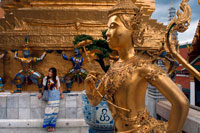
(172, 3)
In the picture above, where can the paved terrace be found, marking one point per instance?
(192, 124)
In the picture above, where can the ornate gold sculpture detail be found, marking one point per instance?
(180, 24)
(124, 85)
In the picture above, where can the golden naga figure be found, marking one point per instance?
(180, 24)
(124, 85)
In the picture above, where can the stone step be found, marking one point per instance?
(192, 123)
(35, 126)
(42, 130)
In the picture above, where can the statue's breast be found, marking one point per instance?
(26, 60)
(116, 77)
(26, 63)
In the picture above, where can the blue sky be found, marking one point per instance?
(161, 14)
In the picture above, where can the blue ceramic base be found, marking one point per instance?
(99, 118)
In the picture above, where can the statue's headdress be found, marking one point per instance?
(124, 7)
(131, 17)
(26, 46)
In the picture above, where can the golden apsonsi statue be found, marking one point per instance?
(124, 85)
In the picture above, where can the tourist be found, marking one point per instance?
(52, 93)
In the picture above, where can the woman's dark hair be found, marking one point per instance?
(54, 71)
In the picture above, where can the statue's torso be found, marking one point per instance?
(77, 62)
(125, 85)
(26, 64)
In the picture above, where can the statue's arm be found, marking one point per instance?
(41, 57)
(94, 94)
(180, 104)
(64, 56)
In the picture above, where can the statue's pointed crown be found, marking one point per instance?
(26, 46)
(123, 7)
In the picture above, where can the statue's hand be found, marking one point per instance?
(90, 83)
(97, 74)
(91, 78)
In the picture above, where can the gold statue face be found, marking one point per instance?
(117, 35)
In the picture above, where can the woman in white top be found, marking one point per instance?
(53, 94)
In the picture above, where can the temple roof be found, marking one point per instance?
(195, 47)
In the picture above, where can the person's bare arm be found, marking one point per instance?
(40, 96)
(61, 93)
(59, 87)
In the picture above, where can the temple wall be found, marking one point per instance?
(53, 25)
(54, 59)
(28, 106)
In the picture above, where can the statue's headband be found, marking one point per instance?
(26, 47)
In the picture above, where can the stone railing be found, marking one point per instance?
(24, 112)
(192, 124)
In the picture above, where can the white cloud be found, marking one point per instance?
(161, 14)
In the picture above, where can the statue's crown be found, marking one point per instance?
(26, 46)
(123, 7)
